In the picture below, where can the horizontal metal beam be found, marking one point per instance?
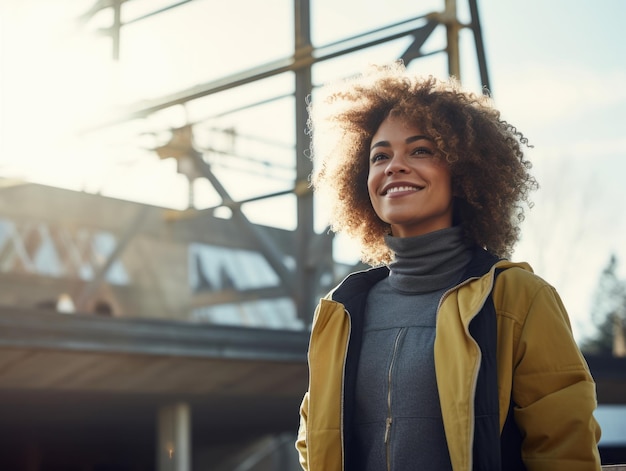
(299, 60)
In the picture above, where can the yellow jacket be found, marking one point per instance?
(539, 367)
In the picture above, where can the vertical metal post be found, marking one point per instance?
(452, 35)
(174, 438)
(116, 28)
(305, 273)
(480, 47)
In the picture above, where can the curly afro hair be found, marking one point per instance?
(490, 174)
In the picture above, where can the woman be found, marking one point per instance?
(445, 355)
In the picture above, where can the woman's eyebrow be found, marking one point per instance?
(417, 138)
(380, 144)
(408, 141)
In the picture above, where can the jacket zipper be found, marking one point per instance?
(389, 420)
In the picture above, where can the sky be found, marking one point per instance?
(557, 71)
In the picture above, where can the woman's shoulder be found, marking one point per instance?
(519, 273)
(517, 286)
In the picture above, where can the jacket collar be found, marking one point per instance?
(359, 283)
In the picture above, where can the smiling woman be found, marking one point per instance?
(446, 355)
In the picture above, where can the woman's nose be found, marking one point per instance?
(396, 165)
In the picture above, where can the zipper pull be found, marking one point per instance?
(387, 428)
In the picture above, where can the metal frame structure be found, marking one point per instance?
(312, 252)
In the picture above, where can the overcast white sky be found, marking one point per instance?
(557, 70)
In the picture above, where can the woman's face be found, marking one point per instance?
(409, 188)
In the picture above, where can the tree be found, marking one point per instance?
(608, 314)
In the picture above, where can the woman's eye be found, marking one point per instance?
(377, 157)
(423, 151)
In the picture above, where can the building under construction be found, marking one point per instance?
(139, 336)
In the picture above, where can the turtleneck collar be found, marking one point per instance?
(428, 262)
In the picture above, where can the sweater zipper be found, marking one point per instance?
(389, 420)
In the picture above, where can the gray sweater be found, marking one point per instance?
(398, 423)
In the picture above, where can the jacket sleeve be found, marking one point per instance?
(553, 390)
